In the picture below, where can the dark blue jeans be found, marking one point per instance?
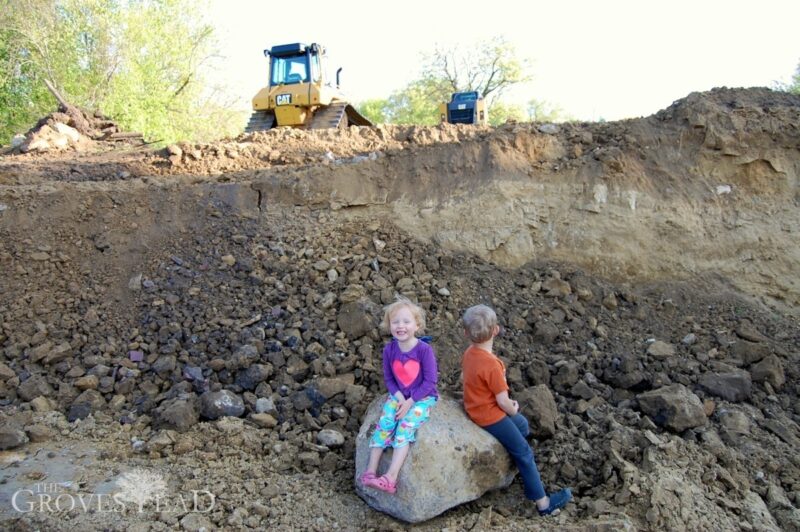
(511, 432)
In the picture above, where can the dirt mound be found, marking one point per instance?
(75, 129)
(629, 262)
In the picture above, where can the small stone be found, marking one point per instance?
(444, 292)
(11, 438)
(229, 260)
(39, 433)
(6, 373)
(135, 282)
(332, 275)
(265, 405)
(661, 350)
(196, 522)
(610, 301)
(264, 420)
(41, 404)
(214, 405)
(330, 438)
(89, 382)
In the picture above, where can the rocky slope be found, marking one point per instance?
(645, 273)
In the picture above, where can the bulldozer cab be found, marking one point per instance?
(294, 63)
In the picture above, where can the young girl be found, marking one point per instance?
(487, 403)
(410, 375)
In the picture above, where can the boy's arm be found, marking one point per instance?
(506, 404)
(430, 374)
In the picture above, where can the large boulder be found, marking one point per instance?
(539, 405)
(674, 407)
(453, 461)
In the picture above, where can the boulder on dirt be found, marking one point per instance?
(732, 386)
(545, 332)
(749, 352)
(453, 461)
(214, 405)
(770, 370)
(539, 406)
(34, 387)
(674, 407)
(178, 414)
(358, 318)
(661, 350)
(11, 438)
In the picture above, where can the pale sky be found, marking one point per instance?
(610, 59)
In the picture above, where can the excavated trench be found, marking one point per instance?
(623, 258)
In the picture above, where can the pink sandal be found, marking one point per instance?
(382, 483)
(365, 477)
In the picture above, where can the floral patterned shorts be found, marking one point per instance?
(390, 432)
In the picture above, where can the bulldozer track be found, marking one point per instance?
(329, 117)
(260, 121)
(336, 115)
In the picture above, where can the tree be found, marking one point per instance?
(375, 110)
(541, 111)
(489, 67)
(501, 112)
(140, 61)
(418, 102)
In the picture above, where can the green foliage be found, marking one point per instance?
(540, 111)
(139, 61)
(418, 102)
(501, 112)
(375, 110)
(794, 87)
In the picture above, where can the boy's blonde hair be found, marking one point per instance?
(479, 323)
(416, 311)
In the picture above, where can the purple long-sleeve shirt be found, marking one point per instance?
(414, 374)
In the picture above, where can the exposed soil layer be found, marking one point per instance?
(623, 258)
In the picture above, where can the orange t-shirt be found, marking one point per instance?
(484, 378)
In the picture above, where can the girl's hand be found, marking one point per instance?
(516, 406)
(404, 408)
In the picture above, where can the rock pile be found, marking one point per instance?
(207, 326)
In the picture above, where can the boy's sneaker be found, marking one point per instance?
(558, 500)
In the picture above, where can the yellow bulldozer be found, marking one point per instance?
(301, 93)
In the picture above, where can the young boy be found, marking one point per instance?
(487, 403)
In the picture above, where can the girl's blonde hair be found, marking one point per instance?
(416, 311)
(479, 323)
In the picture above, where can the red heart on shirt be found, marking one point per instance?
(405, 373)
